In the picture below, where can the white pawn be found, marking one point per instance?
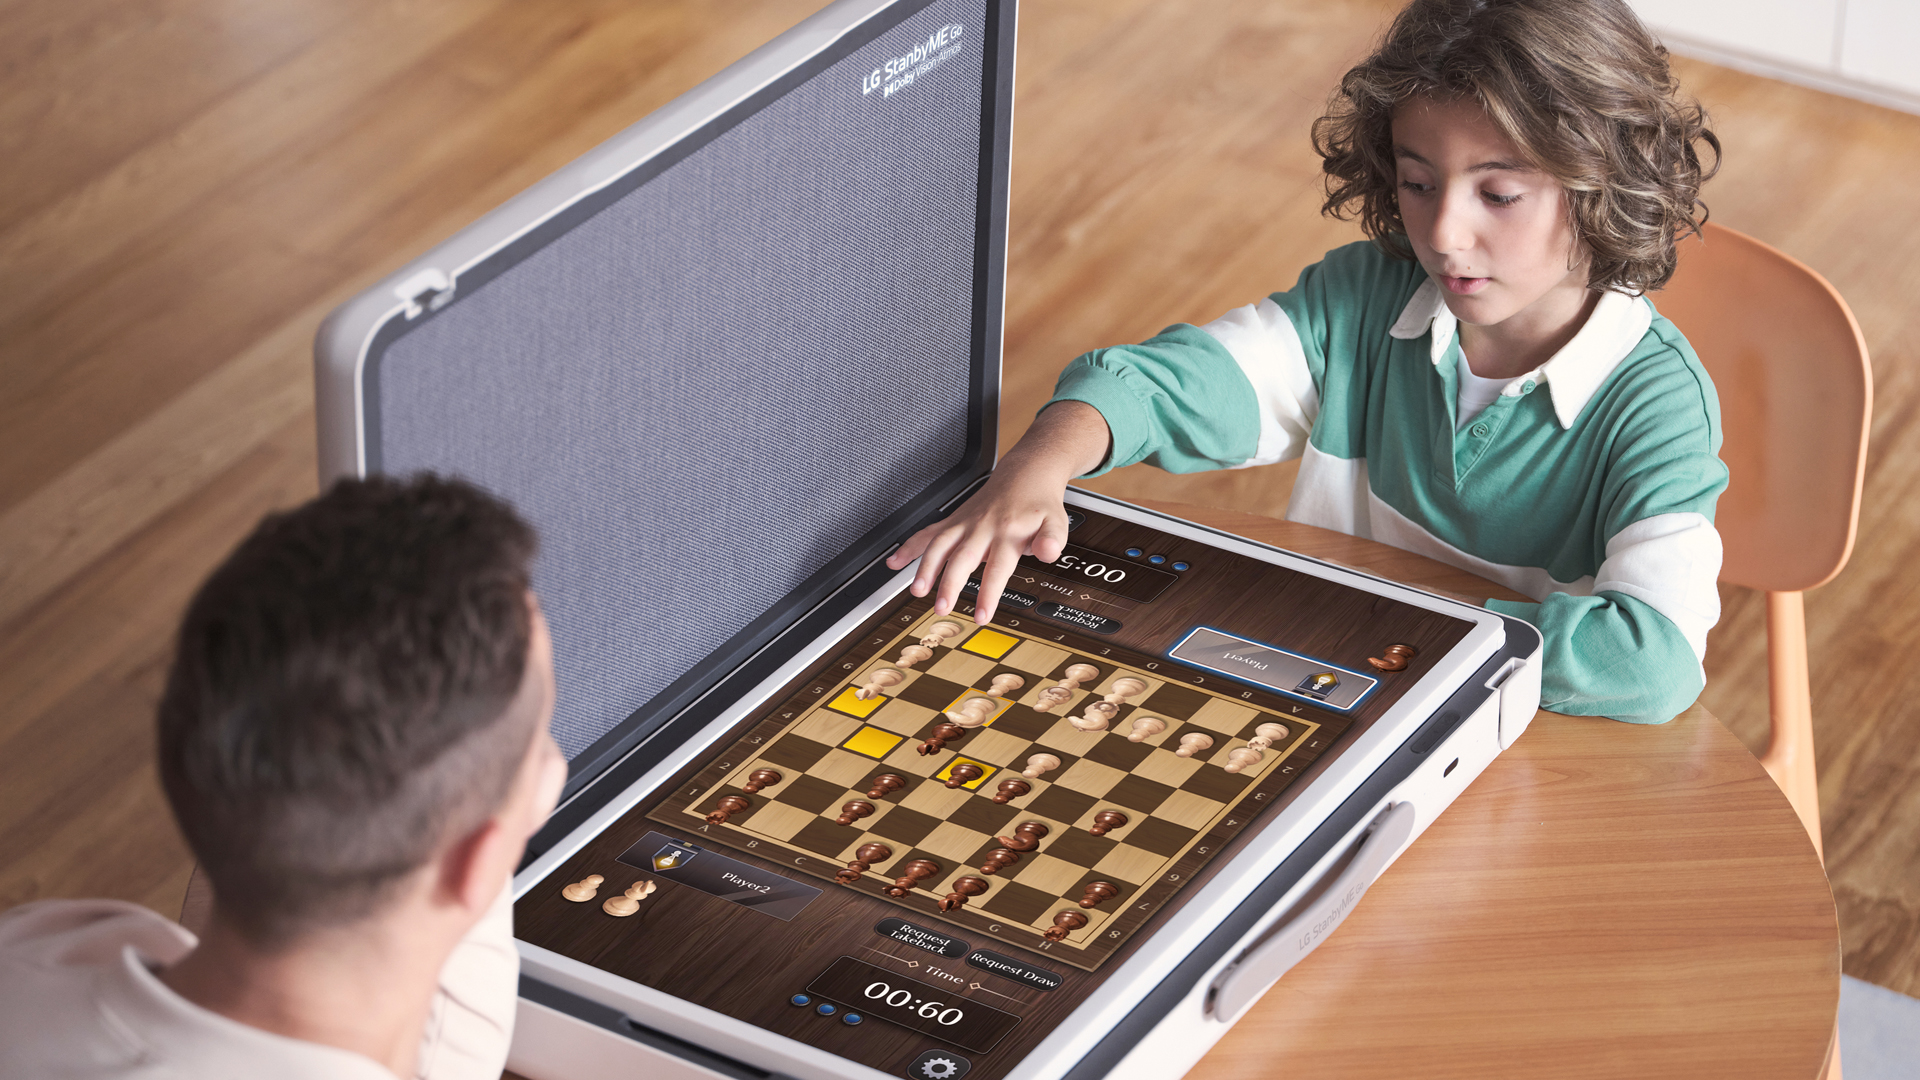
(583, 890)
(1040, 763)
(1243, 756)
(973, 712)
(1192, 743)
(1077, 674)
(1052, 698)
(913, 654)
(877, 680)
(1146, 727)
(1097, 716)
(940, 633)
(1005, 684)
(1124, 687)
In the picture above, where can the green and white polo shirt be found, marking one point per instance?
(1589, 484)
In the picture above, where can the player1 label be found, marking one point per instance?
(1274, 668)
(715, 874)
(921, 937)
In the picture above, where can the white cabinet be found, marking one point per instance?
(1880, 43)
(1864, 48)
(1798, 32)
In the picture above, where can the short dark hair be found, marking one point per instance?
(338, 698)
(1579, 86)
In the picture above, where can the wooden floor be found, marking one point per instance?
(186, 186)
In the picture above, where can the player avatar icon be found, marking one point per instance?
(1320, 685)
(673, 856)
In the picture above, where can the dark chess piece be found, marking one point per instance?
(853, 812)
(884, 783)
(1106, 821)
(1026, 836)
(912, 874)
(1064, 923)
(1098, 891)
(942, 734)
(760, 778)
(963, 774)
(962, 888)
(730, 805)
(997, 860)
(864, 857)
(1011, 788)
(1393, 658)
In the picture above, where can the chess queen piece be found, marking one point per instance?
(964, 773)
(962, 888)
(943, 733)
(1010, 789)
(911, 875)
(880, 679)
(886, 784)
(1144, 728)
(1096, 716)
(974, 711)
(1192, 743)
(628, 902)
(728, 806)
(1005, 684)
(583, 890)
(1052, 698)
(911, 655)
(1064, 923)
(1106, 821)
(1026, 836)
(1124, 687)
(853, 811)
(1098, 892)
(1039, 764)
(1393, 658)
(864, 857)
(760, 778)
(1077, 674)
(939, 633)
(997, 860)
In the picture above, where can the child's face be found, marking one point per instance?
(1491, 231)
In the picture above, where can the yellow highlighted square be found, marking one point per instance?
(986, 771)
(991, 644)
(872, 742)
(851, 703)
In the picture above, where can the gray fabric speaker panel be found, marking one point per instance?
(708, 390)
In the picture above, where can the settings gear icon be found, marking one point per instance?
(939, 1068)
(939, 1065)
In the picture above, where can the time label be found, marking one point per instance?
(910, 1003)
(1134, 580)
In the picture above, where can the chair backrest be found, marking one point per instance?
(1796, 395)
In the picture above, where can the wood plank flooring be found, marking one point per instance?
(187, 186)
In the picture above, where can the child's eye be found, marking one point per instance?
(1416, 188)
(1499, 200)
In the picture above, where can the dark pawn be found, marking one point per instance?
(853, 812)
(997, 860)
(1026, 836)
(864, 857)
(1010, 789)
(1107, 820)
(760, 778)
(943, 733)
(885, 783)
(1064, 923)
(732, 804)
(1098, 891)
(963, 888)
(962, 775)
(912, 874)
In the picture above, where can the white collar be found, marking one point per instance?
(1574, 373)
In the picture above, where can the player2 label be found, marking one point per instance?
(716, 875)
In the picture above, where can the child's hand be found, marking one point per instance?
(1018, 512)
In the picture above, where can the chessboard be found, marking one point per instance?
(1053, 792)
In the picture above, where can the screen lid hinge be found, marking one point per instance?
(428, 290)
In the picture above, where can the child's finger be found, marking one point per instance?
(960, 563)
(932, 558)
(1051, 540)
(912, 547)
(1002, 557)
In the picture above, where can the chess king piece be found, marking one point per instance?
(963, 774)
(1145, 727)
(1052, 698)
(885, 784)
(1192, 743)
(1077, 674)
(1096, 716)
(1005, 684)
(997, 860)
(1243, 757)
(943, 733)
(628, 902)
(940, 633)
(1096, 892)
(760, 778)
(1124, 687)
(729, 806)
(1038, 764)
(864, 857)
(962, 888)
(1393, 658)
(1064, 923)
(1010, 789)
(974, 711)
(1106, 821)
(1026, 836)
(879, 679)
(912, 874)
(1266, 735)
(853, 812)
(583, 890)
(913, 654)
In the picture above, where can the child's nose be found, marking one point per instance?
(1452, 228)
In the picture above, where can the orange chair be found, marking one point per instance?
(1796, 394)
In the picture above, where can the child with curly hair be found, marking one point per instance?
(1485, 382)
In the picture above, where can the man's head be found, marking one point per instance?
(359, 700)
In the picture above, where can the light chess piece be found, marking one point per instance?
(1192, 743)
(1077, 674)
(760, 778)
(885, 784)
(1039, 764)
(879, 679)
(1064, 923)
(997, 860)
(1052, 698)
(913, 654)
(940, 633)
(1010, 789)
(853, 812)
(1026, 836)
(864, 857)
(1393, 658)
(1005, 684)
(974, 711)
(1096, 716)
(943, 733)
(1144, 728)
(1242, 757)
(1266, 735)
(1106, 821)
(728, 806)
(911, 875)
(962, 888)
(1096, 892)
(583, 890)
(1124, 687)
(963, 774)
(628, 902)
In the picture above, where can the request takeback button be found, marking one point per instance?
(921, 937)
(1085, 620)
(1018, 970)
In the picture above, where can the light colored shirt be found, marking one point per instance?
(79, 1000)
(1587, 484)
(1476, 394)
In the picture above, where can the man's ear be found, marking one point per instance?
(473, 868)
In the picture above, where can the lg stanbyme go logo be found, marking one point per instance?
(899, 73)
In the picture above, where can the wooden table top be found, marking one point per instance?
(1606, 900)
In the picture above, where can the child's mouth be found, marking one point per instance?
(1465, 286)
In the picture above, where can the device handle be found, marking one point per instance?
(1260, 967)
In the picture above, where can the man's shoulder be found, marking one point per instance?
(1662, 381)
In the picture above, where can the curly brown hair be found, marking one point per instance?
(1579, 87)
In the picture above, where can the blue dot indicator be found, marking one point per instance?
(1179, 566)
(826, 1009)
(851, 1019)
(1156, 559)
(801, 999)
(1134, 553)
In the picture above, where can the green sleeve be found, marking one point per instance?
(1178, 401)
(1610, 655)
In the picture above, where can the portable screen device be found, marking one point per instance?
(812, 829)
